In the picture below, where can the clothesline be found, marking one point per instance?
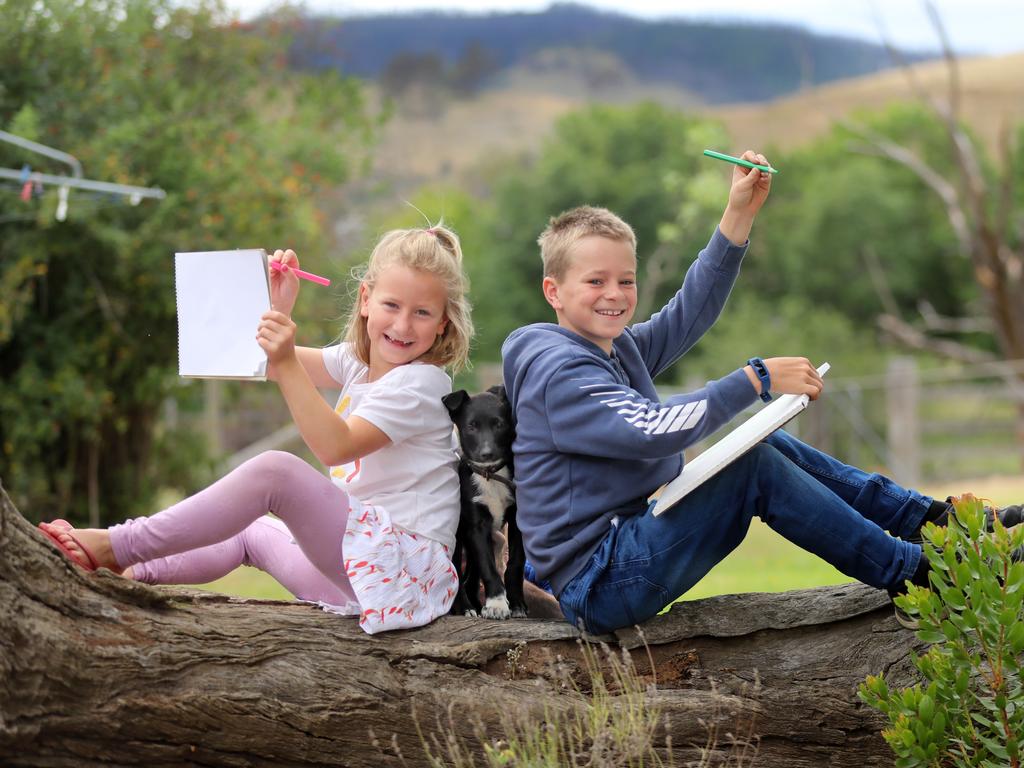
(34, 180)
(133, 193)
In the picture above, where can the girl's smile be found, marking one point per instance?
(404, 314)
(397, 342)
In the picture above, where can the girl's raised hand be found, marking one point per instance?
(284, 284)
(794, 376)
(276, 336)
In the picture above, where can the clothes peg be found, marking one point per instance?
(26, 183)
(62, 204)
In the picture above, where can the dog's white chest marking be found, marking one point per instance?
(494, 495)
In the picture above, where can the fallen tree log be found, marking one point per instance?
(97, 669)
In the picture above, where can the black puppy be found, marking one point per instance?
(484, 424)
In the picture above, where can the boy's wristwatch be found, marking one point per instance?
(762, 374)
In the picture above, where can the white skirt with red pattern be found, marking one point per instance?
(401, 579)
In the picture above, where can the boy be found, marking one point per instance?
(593, 441)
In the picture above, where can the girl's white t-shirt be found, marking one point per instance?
(415, 478)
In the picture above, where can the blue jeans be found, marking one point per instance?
(836, 511)
(530, 574)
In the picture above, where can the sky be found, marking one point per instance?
(974, 26)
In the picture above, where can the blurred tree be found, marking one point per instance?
(839, 224)
(416, 84)
(151, 93)
(471, 69)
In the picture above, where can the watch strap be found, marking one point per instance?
(763, 376)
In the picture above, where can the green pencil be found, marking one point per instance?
(739, 161)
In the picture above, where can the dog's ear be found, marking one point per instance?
(498, 390)
(454, 401)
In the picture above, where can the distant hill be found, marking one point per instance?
(991, 94)
(415, 149)
(718, 63)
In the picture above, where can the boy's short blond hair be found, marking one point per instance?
(569, 227)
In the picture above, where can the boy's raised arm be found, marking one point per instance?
(747, 194)
(694, 309)
(688, 315)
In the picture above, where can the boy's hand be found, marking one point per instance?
(284, 284)
(790, 376)
(276, 336)
(749, 190)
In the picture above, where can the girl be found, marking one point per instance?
(376, 536)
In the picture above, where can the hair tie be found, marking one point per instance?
(431, 231)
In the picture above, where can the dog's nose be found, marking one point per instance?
(487, 450)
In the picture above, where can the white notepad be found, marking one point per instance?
(221, 296)
(732, 446)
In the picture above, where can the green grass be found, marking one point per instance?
(249, 582)
(764, 562)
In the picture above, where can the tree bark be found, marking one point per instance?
(96, 669)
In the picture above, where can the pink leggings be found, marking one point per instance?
(211, 533)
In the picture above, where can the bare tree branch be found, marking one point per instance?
(907, 334)
(879, 280)
(933, 321)
(879, 145)
(1004, 206)
(952, 63)
(910, 74)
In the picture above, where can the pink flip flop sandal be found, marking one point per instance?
(63, 525)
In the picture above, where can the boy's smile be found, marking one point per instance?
(596, 297)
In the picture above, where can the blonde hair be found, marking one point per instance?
(434, 251)
(569, 227)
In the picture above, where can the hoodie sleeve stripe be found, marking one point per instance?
(655, 420)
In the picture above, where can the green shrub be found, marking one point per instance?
(969, 710)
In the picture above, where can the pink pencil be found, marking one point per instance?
(301, 273)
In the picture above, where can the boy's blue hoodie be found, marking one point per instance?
(592, 439)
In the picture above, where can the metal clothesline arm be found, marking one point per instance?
(95, 186)
(42, 149)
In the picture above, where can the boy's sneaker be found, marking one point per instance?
(903, 618)
(919, 577)
(1008, 516)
